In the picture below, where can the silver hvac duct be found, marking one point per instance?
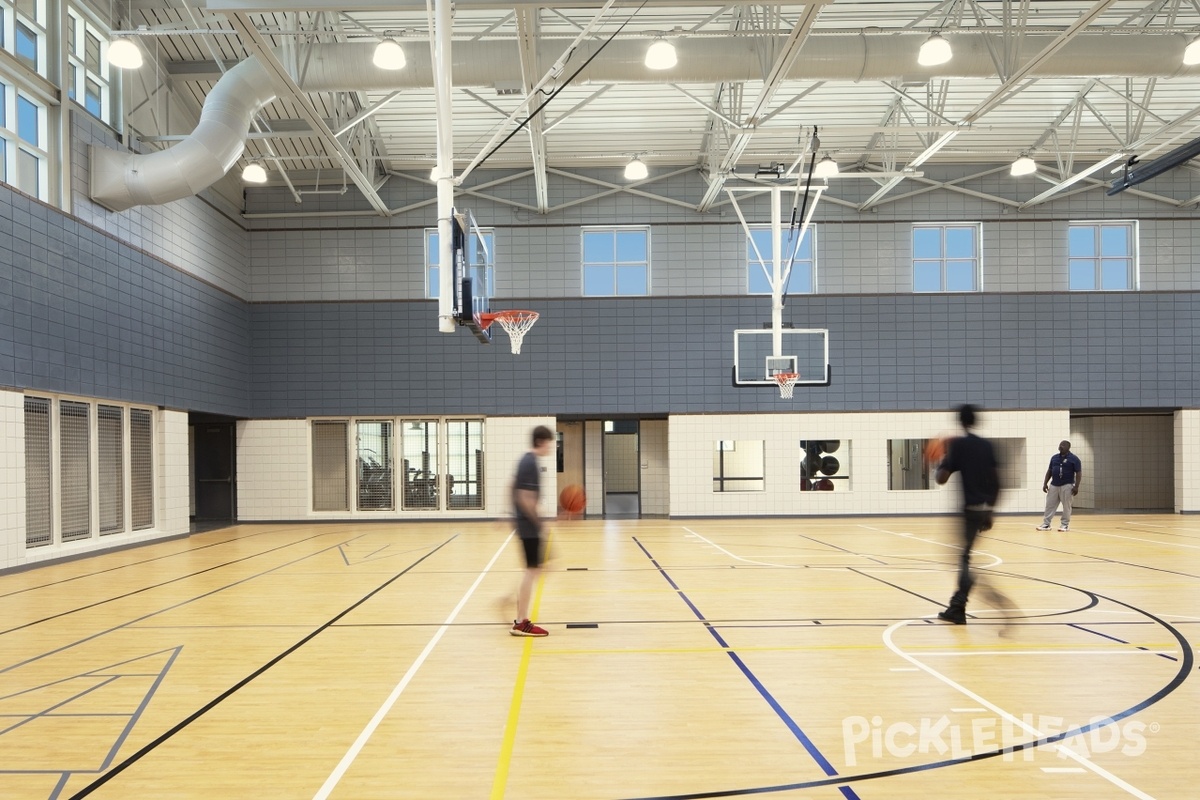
(121, 181)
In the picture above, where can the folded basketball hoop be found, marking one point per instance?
(516, 324)
(787, 382)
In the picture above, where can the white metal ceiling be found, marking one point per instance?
(1066, 121)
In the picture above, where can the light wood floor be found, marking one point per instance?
(687, 658)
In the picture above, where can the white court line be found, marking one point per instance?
(1062, 749)
(737, 557)
(996, 560)
(1052, 653)
(1138, 539)
(369, 731)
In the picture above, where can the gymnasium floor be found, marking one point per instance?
(687, 658)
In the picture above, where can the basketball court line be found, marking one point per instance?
(211, 704)
(1061, 748)
(786, 718)
(171, 607)
(356, 747)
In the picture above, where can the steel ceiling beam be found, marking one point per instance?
(260, 47)
(775, 78)
(527, 35)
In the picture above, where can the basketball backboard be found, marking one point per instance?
(803, 350)
(473, 262)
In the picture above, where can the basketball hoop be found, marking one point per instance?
(787, 382)
(515, 323)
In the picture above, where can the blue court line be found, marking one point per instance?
(800, 735)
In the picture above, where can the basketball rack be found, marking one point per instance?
(516, 323)
(787, 382)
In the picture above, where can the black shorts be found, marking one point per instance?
(533, 551)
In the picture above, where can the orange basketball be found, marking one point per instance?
(572, 499)
(935, 450)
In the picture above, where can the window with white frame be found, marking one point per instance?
(24, 32)
(616, 261)
(89, 470)
(1102, 256)
(946, 257)
(87, 65)
(760, 255)
(479, 258)
(23, 141)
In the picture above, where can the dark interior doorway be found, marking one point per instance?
(214, 468)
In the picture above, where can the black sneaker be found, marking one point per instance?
(953, 615)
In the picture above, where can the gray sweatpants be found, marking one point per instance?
(1054, 496)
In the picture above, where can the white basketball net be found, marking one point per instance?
(787, 382)
(516, 324)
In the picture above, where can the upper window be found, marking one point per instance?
(87, 81)
(23, 32)
(1102, 255)
(616, 261)
(760, 258)
(23, 156)
(480, 262)
(946, 258)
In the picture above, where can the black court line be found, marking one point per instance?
(172, 607)
(165, 583)
(210, 705)
(98, 553)
(1185, 667)
(806, 742)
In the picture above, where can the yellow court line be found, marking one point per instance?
(514, 709)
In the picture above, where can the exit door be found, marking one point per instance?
(622, 477)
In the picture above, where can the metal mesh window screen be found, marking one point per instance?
(419, 441)
(110, 441)
(37, 472)
(465, 452)
(330, 469)
(75, 466)
(375, 466)
(141, 469)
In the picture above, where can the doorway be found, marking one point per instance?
(214, 468)
(622, 476)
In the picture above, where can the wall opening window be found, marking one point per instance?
(480, 258)
(760, 268)
(946, 258)
(908, 468)
(738, 466)
(824, 465)
(616, 262)
(330, 465)
(464, 453)
(92, 461)
(1102, 256)
(419, 442)
(24, 32)
(374, 462)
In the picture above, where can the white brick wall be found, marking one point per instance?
(864, 446)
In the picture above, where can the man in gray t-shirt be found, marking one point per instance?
(526, 491)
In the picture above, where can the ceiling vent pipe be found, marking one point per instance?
(121, 180)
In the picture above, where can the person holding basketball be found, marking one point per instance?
(975, 459)
(526, 491)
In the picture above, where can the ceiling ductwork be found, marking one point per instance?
(122, 180)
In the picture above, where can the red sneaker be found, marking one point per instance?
(527, 628)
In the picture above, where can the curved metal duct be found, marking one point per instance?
(121, 180)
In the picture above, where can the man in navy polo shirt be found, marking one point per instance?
(1061, 484)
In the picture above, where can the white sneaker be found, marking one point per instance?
(1064, 529)
(1042, 527)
